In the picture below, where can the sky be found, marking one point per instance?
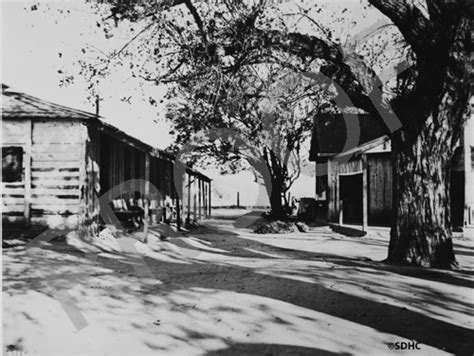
(38, 49)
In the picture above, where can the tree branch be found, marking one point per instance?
(197, 19)
(410, 20)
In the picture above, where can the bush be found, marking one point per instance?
(276, 227)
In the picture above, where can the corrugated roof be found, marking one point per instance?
(19, 105)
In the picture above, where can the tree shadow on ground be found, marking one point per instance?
(248, 248)
(455, 278)
(303, 279)
(273, 349)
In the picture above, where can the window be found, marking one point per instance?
(12, 164)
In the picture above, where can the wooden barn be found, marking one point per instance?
(354, 172)
(59, 166)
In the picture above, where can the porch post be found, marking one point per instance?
(210, 204)
(338, 201)
(179, 195)
(200, 198)
(189, 198)
(194, 198)
(195, 207)
(178, 213)
(365, 204)
(147, 195)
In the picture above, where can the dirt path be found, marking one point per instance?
(224, 290)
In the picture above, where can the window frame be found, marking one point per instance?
(22, 163)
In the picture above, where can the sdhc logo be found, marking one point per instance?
(403, 345)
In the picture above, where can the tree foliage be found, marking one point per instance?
(263, 115)
(196, 39)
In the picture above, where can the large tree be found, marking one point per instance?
(424, 120)
(259, 118)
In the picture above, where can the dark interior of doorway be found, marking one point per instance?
(351, 196)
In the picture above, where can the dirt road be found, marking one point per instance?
(222, 289)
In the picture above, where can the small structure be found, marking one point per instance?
(343, 156)
(60, 164)
(354, 171)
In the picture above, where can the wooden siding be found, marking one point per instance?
(120, 162)
(335, 169)
(378, 185)
(50, 192)
(14, 132)
(380, 188)
(56, 167)
(68, 165)
(58, 132)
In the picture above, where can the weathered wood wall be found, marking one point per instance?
(335, 169)
(53, 164)
(57, 168)
(68, 166)
(380, 188)
(120, 162)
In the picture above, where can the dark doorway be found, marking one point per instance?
(350, 192)
(457, 198)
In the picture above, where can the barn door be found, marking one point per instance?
(350, 192)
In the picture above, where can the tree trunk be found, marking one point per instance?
(273, 176)
(421, 226)
(275, 196)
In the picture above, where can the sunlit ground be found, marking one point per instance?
(224, 290)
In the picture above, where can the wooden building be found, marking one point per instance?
(59, 164)
(354, 172)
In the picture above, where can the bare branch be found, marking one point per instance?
(410, 20)
(197, 19)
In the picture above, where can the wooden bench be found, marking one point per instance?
(129, 214)
(132, 213)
